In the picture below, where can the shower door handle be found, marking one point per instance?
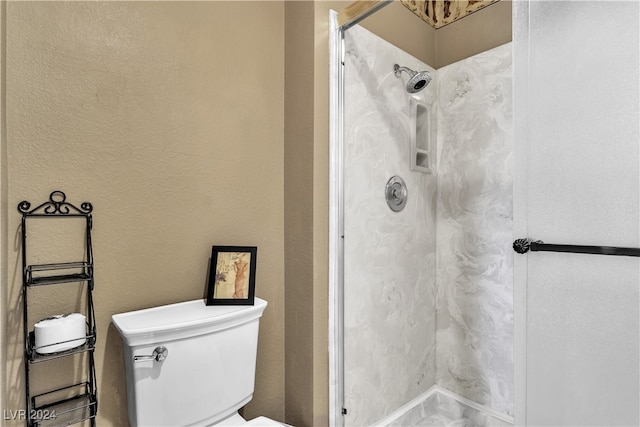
(159, 354)
(522, 246)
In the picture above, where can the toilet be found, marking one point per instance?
(189, 364)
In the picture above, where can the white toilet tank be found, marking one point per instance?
(208, 372)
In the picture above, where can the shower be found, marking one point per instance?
(418, 80)
(406, 271)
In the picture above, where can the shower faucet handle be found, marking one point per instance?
(159, 354)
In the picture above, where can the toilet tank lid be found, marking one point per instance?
(181, 320)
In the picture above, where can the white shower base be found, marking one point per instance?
(440, 407)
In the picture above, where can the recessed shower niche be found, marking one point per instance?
(422, 133)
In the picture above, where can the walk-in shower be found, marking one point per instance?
(408, 283)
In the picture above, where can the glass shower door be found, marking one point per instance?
(577, 169)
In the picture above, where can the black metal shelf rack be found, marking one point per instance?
(78, 402)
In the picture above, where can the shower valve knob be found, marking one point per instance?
(396, 193)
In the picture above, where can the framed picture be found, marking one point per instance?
(232, 275)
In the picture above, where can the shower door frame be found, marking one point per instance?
(338, 24)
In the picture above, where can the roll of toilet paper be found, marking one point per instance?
(60, 333)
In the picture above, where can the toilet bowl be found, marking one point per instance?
(189, 364)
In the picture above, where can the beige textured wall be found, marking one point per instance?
(299, 202)
(402, 28)
(482, 30)
(168, 117)
(4, 241)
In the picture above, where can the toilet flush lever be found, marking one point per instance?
(159, 354)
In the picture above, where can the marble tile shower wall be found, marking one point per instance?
(390, 270)
(426, 305)
(475, 222)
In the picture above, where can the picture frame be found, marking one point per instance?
(232, 275)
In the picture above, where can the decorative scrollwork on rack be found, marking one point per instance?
(57, 205)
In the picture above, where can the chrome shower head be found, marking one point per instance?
(418, 80)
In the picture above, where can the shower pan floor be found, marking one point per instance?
(439, 407)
